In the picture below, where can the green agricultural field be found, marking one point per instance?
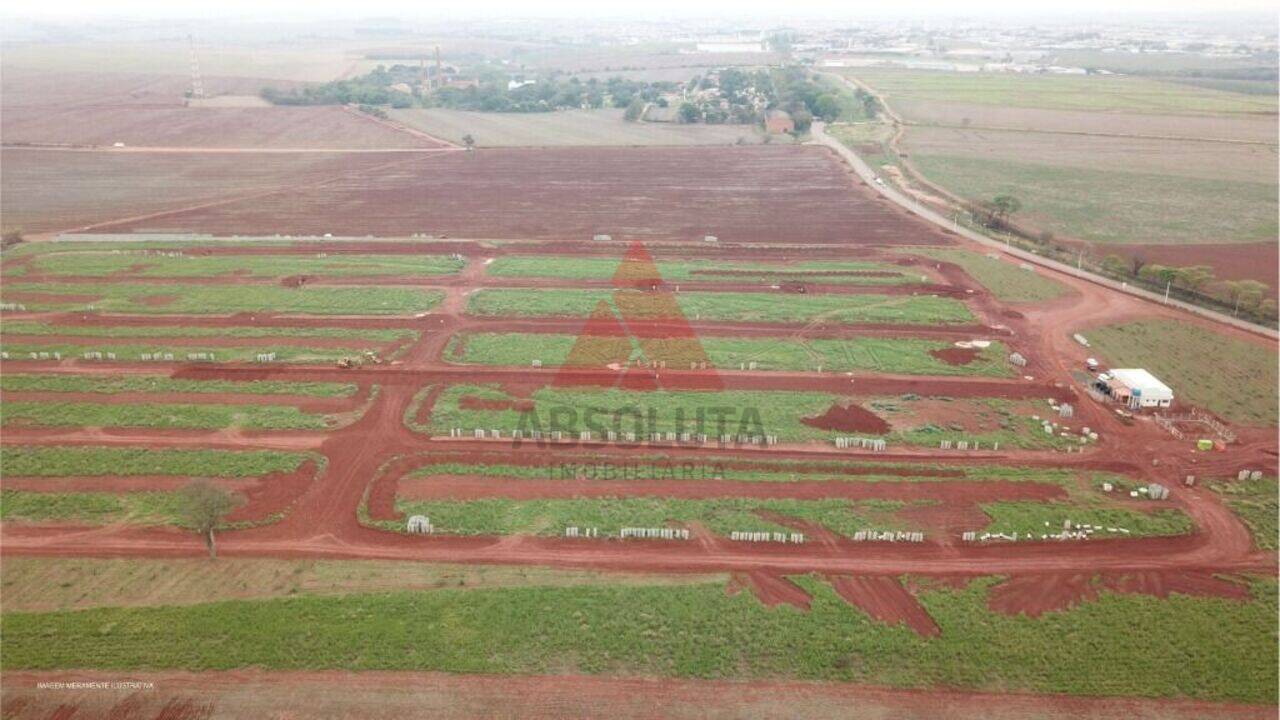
(1257, 504)
(721, 516)
(732, 412)
(29, 327)
(906, 356)
(134, 353)
(221, 299)
(1006, 281)
(101, 264)
(1030, 518)
(585, 268)
(1109, 206)
(735, 307)
(1233, 378)
(1202, 648)
(140, 508)
(1057, 92)
(56, 461)
(162, 384)
(136, 581)
(159, 415)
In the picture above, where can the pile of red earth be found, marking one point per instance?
(849, 418)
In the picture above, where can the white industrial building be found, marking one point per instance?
(1136, 388)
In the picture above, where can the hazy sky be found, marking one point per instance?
(68, 9)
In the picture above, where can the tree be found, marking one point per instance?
(204, 506)
(1246, 293)
(469, 141)
(687, 113)
(634, 110)
(1114, 264)
(1136, 263)
(1194, 277)
(826, 107)
(1005, 205)
(802, 119)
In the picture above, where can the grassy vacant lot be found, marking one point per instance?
(162, 384)
(1206, 648)
(1112, 206)
(732, 412)
(50, 583)
(1057, 92)
(722, 516)
(1233, 378)
(906, 356)
(141, 508)
(686, 270)
(569, 127)
(1030, 517)
(28, 327)
(159, 415)
(737, 307)
(210, 299)
(1005, 280)
(55, 461)
(1257, 504)
(130, 353)
(129, 261)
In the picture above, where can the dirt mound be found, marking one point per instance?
(1034, 595)
(849, 418)
(955, 355)
(884, 598)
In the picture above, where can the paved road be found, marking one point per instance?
(866, 173)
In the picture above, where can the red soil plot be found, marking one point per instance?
(849, 418)
(770, 589)
(884, 598)
(316, 127)
(1034, 595)
(274, 494)
(955, 355)
(44, 190)
(962, 493)
(1185, 582)
(759, 194)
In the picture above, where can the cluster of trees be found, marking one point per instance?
(739, 98)
(1250, 296)
(373, 88)
(552, 93)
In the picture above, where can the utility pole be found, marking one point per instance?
(1167, 285)
(197, 86)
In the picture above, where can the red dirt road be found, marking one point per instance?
(341, 695)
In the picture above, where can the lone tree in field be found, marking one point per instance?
(469, 141)
(1005, 205)
(204, 506)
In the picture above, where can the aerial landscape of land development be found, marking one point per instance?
(526, 363)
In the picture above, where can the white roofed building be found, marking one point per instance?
(1138, 388)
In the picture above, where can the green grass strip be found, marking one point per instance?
(74, 461)
(1118, 645)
